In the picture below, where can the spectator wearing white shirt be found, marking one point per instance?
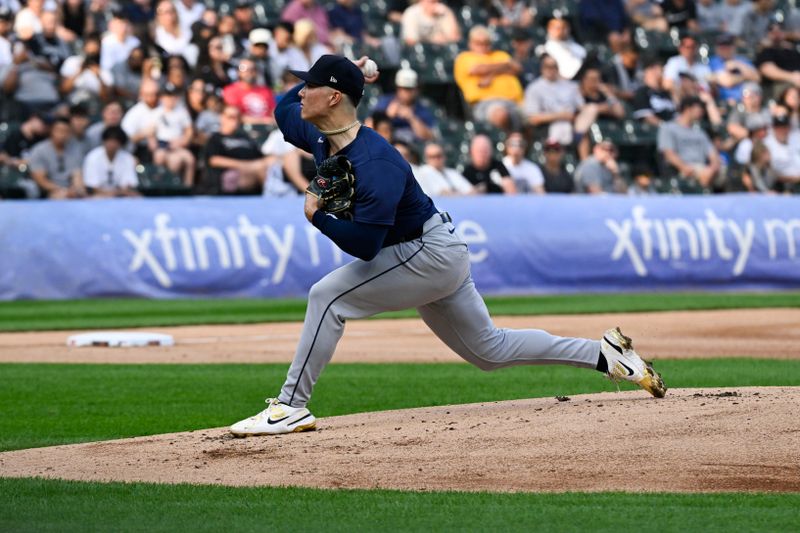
(784, 149)
(81, 75)
(436, 179)
(284, 174)
(526, 174)
(109, 170)
(139, 122)
(170, 36)
(283, 54)
(189, 12)
(560, 46)
(686, 61)
(118, 43)
(172, 135)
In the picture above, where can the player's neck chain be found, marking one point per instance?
(340, 130)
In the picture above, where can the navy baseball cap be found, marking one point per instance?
(336, 72)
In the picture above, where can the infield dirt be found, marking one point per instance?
(772, 333)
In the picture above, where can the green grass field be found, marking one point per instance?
(114, 313)
(45, 404)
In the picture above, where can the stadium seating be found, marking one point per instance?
(159, 181)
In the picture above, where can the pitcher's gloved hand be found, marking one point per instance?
(334, 186)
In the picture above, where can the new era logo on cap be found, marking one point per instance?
(337, 72)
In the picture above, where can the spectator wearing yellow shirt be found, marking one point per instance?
(488, 79)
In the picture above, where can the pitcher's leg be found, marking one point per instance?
(462, 321)
(401, 277)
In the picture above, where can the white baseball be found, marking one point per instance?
(370, 68)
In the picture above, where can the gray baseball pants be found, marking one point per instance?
(432, 274)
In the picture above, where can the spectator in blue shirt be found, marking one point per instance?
(413, 122)
(604, 19)
(731, 71)
(347, 25)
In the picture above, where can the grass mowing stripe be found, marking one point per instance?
(78, 403)
(116, 313)
(38, 505)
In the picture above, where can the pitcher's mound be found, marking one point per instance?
(742, 439)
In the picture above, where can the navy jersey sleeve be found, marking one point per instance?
(379, 186)
(297, 131)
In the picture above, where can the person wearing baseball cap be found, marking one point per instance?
(412, 121)
(730, 71)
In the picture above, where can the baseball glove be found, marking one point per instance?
(334, 186)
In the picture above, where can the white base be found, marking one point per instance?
(120, 339)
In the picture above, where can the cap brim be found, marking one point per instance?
(306, 76)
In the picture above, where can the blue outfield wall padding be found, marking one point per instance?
(255, 247)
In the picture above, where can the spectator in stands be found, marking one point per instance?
(347, 25)
(524, 53)
(259, 40)
(681, 14)
(255, 102)
(651, 103)
(111, 116)
(177, 72)
(284, 173)
(599, 173)
(642, 184)
(78, 116)
(73, 17)
(127, 75)
(47, 45)
(215, 68)
(110, 170)
(31, 83)
(789, 103)
(556, 177)
(709, 16)
(429, 21)
(55, 164)
(556, 103)
(22, 139)
(779, 61)
(6, 57)
(170, 36)
(207, 121)
(28, 20)
(297, 10)
(412, 121)
(784, 150)
(759, 176)
(526, 174)
(436, 179)
(604, 21)
(195, 102)
(169, 142)
(227, 31)
(118, 43)
(730, 71)
(624, 74)
(734, 14)
(484, 172)
(139, 122)
(559, 45)
(686, 149)
(757, 22)
(598, 94)
(756, 125)
(382, 124)
(752, 105)
(81, 76)
(689, 86)
(243, 15)
(305, 38)
(511, 14)
(687, 60)
(647, 14)
(488, 80)
(284, 55)
(234, 163)
(189, 12)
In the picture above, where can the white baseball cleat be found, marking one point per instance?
(277, 418)
(625, 364)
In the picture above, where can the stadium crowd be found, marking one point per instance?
(106, 98)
